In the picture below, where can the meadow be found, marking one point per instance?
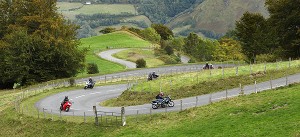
(119, 39)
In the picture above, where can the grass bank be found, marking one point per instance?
(135, 54)
(202, 82)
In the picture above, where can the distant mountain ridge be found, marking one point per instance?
(216, 16)
(209, 18)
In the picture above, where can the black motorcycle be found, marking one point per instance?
(167, 101)
(152, 76)
(89, 85)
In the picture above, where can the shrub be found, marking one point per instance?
(169, 50)
(192, 60)
(92, 68)
(72, 81)
(265, 58)
(140, 63)
(168, 59)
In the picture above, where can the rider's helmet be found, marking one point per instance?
(161, 93)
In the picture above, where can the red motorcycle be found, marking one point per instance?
(66, 106)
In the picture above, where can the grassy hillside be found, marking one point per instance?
(270, 113)
(216, 15)
(120, 39)
(135, 54)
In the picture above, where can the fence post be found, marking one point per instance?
(209, 100)
(123, 116)
(44, 112)
(226, 94)
(38, 113)
(84, 118)
(51, 115)
(265, 68)
(241, 89)
(290, 62)
(255, 87)
(271, 82)
(196, 101)
(286, 79)
(137, 114)
(96, 115)
(180, 105)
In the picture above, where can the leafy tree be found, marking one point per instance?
(228, 49)
(169, 50)
(164, 32)
(36, 43)
(151, 35)
(251, 32)
(284, 21)
(140, 63)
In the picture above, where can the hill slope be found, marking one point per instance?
(217, 16)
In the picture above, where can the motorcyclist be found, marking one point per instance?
(206, 66)
(90, 80)
(160, 97)
(66, 99)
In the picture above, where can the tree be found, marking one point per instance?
(164, 32)
(285, 20)
(251, 32)
(37, 43)
(228, 49)
(151, 35)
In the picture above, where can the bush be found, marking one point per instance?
(169, 50)
(140, 63)
(72, 81)
(92, 68)
(265, 58)
(192, 60)
(168, 59)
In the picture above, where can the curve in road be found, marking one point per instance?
(84, 100)
(108, 56)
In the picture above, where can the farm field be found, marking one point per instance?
(112, 9)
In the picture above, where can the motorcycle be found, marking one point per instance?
(151, 77)
(89, 85)
(167, 101)
(66, 106)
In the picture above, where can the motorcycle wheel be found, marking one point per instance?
(154, 106)
(171, 104)
(85, 87)
(67, 109)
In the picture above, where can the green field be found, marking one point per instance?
(94, 9)
(135, 54)
(120, 39)
(270, 113)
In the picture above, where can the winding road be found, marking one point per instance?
(84, 100)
